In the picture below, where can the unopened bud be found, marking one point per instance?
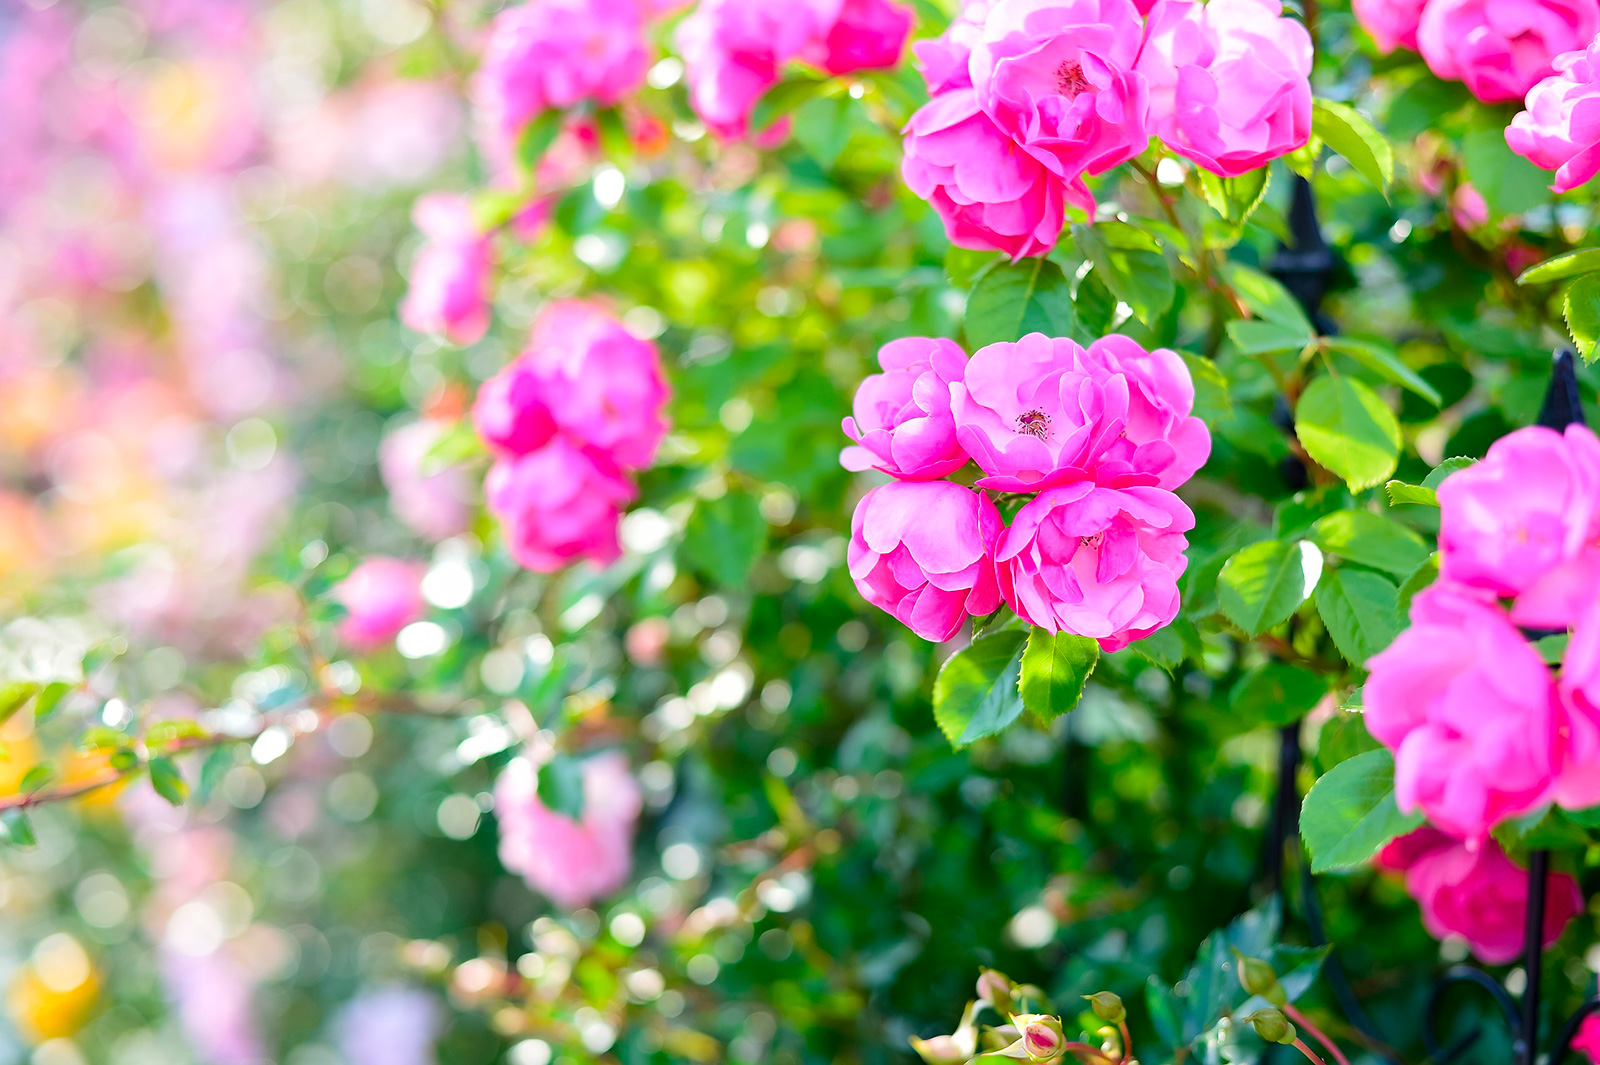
(940, 1050)
(1042, 1037)
(1257, 978)
(1272, 1026)
(996, 989)
(1107, 1007)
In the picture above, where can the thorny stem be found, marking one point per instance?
(1304, 1022)
(1311, 1055)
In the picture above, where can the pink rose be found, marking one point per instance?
(1230, 82)
(1058, 77)
(1468, 207)
(554, 54)
(1470, 711)
(1578, 783)
(1038, 412)
(922, 551)
(1502, 48)
(1560, 130)
(869, 34)
(734, 51)
(512, 412)
(1525, 522)
(990, 193)
(1476, 892)
(942, 60)
(1160, 437)
(557, 505)
(449, 291)
(902, 424)
(1587, 1041)
(572, 862)
(1098, 562)
(603, 386)
(436, 503)
(1392, 23)
(382, 596)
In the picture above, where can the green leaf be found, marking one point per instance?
(14, 695)
(1345, 427)
(1423, 576)
(1212, 403)
(1054, 670)
(976, 693)
(1268, 299)
(1277, 694)
(823, 127)
(458, 443)
(1543, 829)
(1361, 611)
(963, 265)
(1508, 183)
(536, 138)
(1131, 264)
(1343, 736)
(1553, 648)
(168, 781)
(1015, 299)
(1350, 813)
(1400, 493)
(1581, 307)
(166, 733)
(1370, 539)
(36, 777)
(783, 98)
(18, 829)
(1437, 475)
(101, 738)
(1382, 360)
(45, 703)
(724, 536)
(1260, 586)
(1573, 263)
(1235, 198)
(1349, 133)
(1253, 337)
(561, 785)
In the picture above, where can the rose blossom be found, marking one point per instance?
(1587, 1041)
(558, 504)
(734, 51)
(1392, 23)
(990, 194)
(1038, 412)
(383, 595)
(1161, 436)
(902, 423)
(553, 54)
(511, 413)
(942, 60)
(1470, 711)
(1525, 522)
(1230, 82)
(1560, 130)
(869, 34)
(449, 291)
(1098, 562)
(921, 550)
(435, 503)
(1058, 76)
(572, 862)
(1476, 892)
(1578, 782)
(1502, 48)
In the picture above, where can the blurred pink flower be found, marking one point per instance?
(389, 1026)
(902, 423)
(1230, 82)
(1470, 711)
(1392, 23)
(942, 60)
(1097, 562)
(212, 996)
(449, 291)
(558, 505)
(572, 862)
(512, 411)
(1468, 207)
(1560, 130)
(382, 595)
(922, 551)
(1476, 892)
(990, 194)
(1502, 48)
(434, 499)
(869, 34)
(1524, 523)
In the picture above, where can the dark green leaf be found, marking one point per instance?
(1508, 182)
(536, 138)
(1277, 694)
(1015, 299)
(168, 780)
(723, 537)
(1131, 265)
(1381, 360)
(561, 785)
(976, 693)
(784, 97)
(1350, 813)
(1360, 610)
(18, 829)
(1054, 670)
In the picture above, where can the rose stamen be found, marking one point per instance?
(1034, 423)
(1070, 79)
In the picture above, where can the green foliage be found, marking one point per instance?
(1263, 584)
(1054, 670)
(1348, 132)
(1347, 428)
(1350, 813)
(1012, 300)
(977, 693)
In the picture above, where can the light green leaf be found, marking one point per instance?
(1253, 337)
(1581, 307)
(1350, 813)
(1131, 264)
(1573, 263)
(536, 138)
(1361, 611)
(1370, 539)
(784, 98)
(1400, 493)
(1267, 298)
(1260, 586)
(1382, 360)
(18, 829)
(1345, 427)
(1015, 299)
(824, 125)
(1508, 183)
(1437, 475)
(1236, 198)
(976, 693)
(1054, 670)
(1212, 403)
(1348, 132)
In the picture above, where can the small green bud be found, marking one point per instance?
(1107, 1006)
(1272, 1026)
(1257, 978)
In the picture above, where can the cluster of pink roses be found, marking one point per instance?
(1480, 730)
(1498, 48)
(568, 420)
(1030, 96)
(1098, 436)
(572, 861)
(735, 50)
